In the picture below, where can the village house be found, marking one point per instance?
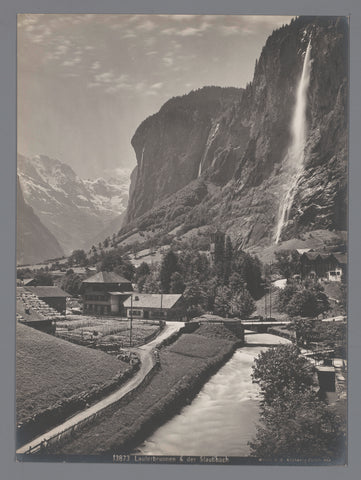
(327, 266)
(55, 297)
(155, 306)
(34, 312)
(104, 293)
(336, 274)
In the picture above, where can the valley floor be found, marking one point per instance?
(184, 366)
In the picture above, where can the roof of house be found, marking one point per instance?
(28, 281)
(152, 300)
(45, 291)
(304, 250)
(341, 258)
(106, 277)
(314, 255)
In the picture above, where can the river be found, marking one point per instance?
(222, 418)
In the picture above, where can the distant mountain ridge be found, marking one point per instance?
(73, 209)
(216, 157)
(34, 241)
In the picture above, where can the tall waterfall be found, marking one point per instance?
(296, 152)
(141, 159)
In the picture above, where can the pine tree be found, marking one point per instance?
(168, 267)
(227, 262)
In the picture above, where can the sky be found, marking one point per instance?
(85, 82)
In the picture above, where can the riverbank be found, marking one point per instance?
(183, 368)
(60, 433)
(223, 417)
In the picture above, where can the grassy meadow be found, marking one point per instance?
(49, 369)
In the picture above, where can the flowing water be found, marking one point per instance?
(223, 417)
(208, 145)
(294, 160)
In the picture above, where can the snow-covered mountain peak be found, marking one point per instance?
(73, 209)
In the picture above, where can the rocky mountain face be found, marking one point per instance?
(34, 241)
(217, 156)
(73, 209)
(172, 145)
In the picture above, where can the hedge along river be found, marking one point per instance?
(223, 417)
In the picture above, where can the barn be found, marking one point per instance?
(155, 306)
(55, 297)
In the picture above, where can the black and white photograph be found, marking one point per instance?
(182, 239)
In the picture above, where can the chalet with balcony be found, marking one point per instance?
(327, 266)
(104, 293)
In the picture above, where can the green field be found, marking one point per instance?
(103, 330)
(182, 364)
(49, 369)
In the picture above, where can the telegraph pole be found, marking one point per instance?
(131, 320)
(161, 305)
(270, 293)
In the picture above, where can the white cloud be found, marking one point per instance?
(139, 86)
(255, 23)
(95, 65)
(116, 88)
(194, 31)
(229, 29)
(146, 26)
(62, 49)
(110, 82)
(149, 41)
(105, 77)
(168, 60)
(168, 31)
(189, 32)
(39, 33)
(71, 62)
(181, 18)
(129, 35)
(134, 18)
(157, 86)
(153, 52)
(116, 26)
(27, 19)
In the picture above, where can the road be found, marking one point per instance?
(147, 363)
(339, 318)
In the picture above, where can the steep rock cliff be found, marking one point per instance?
(170, 145)
(232, 144)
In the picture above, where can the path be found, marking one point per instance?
(146, 365)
